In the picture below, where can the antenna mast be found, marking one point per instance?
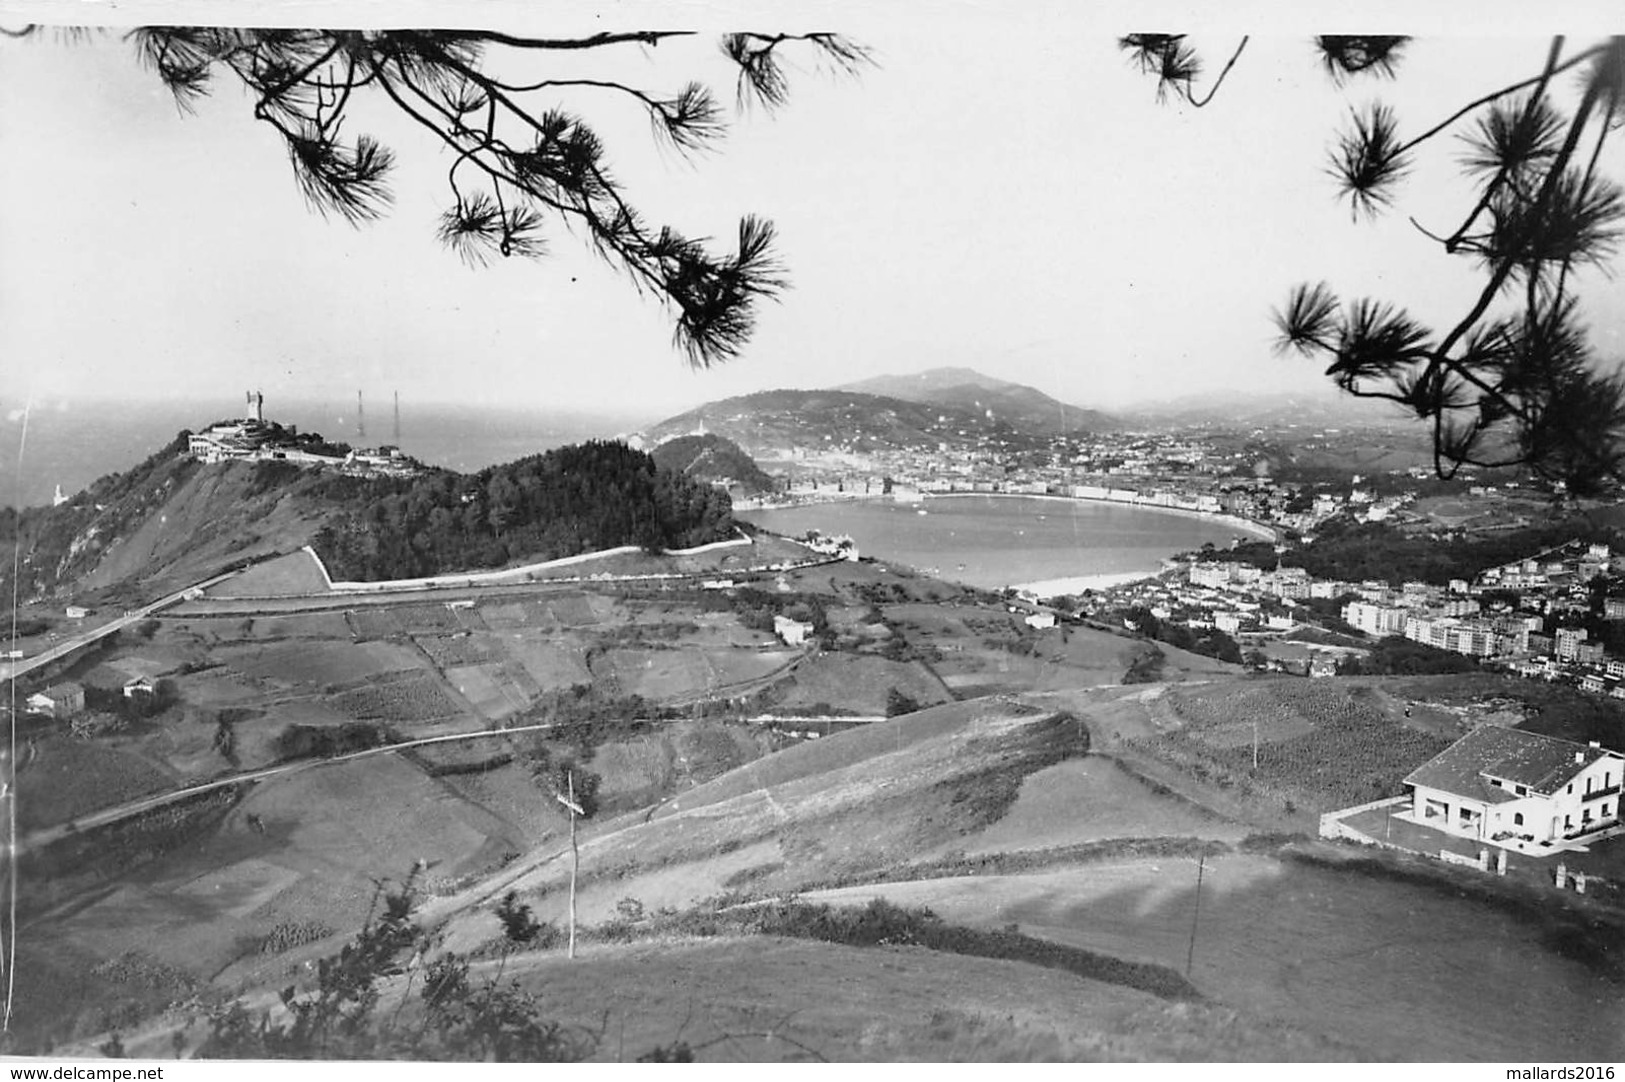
(397, 419)
(360, 420)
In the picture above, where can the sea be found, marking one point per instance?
(1049, 545)
(71, 443)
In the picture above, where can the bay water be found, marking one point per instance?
(998, 541)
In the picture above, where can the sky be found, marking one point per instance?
(1001, 190)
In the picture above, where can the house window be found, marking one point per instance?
(1465, 815)
(1517, 819)
(1521, 790)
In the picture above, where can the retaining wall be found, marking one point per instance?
(508, 574)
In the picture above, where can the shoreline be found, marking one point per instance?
(1047, 589)
(1258, 530)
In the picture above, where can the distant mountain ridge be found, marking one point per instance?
(772, 424)
(1025, 408)
(1263, 408)
(951, 407)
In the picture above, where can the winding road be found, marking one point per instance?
(12, 670)
(101, 818)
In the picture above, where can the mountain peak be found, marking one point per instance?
(1021, 406)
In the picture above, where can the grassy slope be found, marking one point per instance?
(868, 797)
(208, 521)
(982, 777)
(851, 1003)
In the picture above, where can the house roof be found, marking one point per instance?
(1543, 763)
(64, 689)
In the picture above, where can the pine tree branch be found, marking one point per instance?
(595, 41)
(1214, 89)
(1503, 173)
(1542, 79)
(1506, 264)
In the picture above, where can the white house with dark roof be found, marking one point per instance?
(59, 700)
(1502, 784)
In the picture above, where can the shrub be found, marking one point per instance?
(1146, 668)
(461, 1019)
(324, 741)
(290, 934)
(520, 926)
(90, 726)
(900, 702)
(883, 923)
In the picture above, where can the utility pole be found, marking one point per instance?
(575, 853)
(1255, 745)
(1190, 955)
(397, 418)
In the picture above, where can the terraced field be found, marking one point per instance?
(415, 697)
(320, 663)
(1322, 744)
(496, 690)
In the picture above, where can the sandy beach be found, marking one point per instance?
(1077, 584)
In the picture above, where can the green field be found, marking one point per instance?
(295, 573)
(1322, 744)
(380, 622)
(684, 673)
(315, 625)
(62, 778)
(320, 663)
(858, 683)
(507, 615)
(461, 648)
(553, 663)
(1092, 799)
(729, 996)
(494, 689)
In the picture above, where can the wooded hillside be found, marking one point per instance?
(712, 458)
(590, 496)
